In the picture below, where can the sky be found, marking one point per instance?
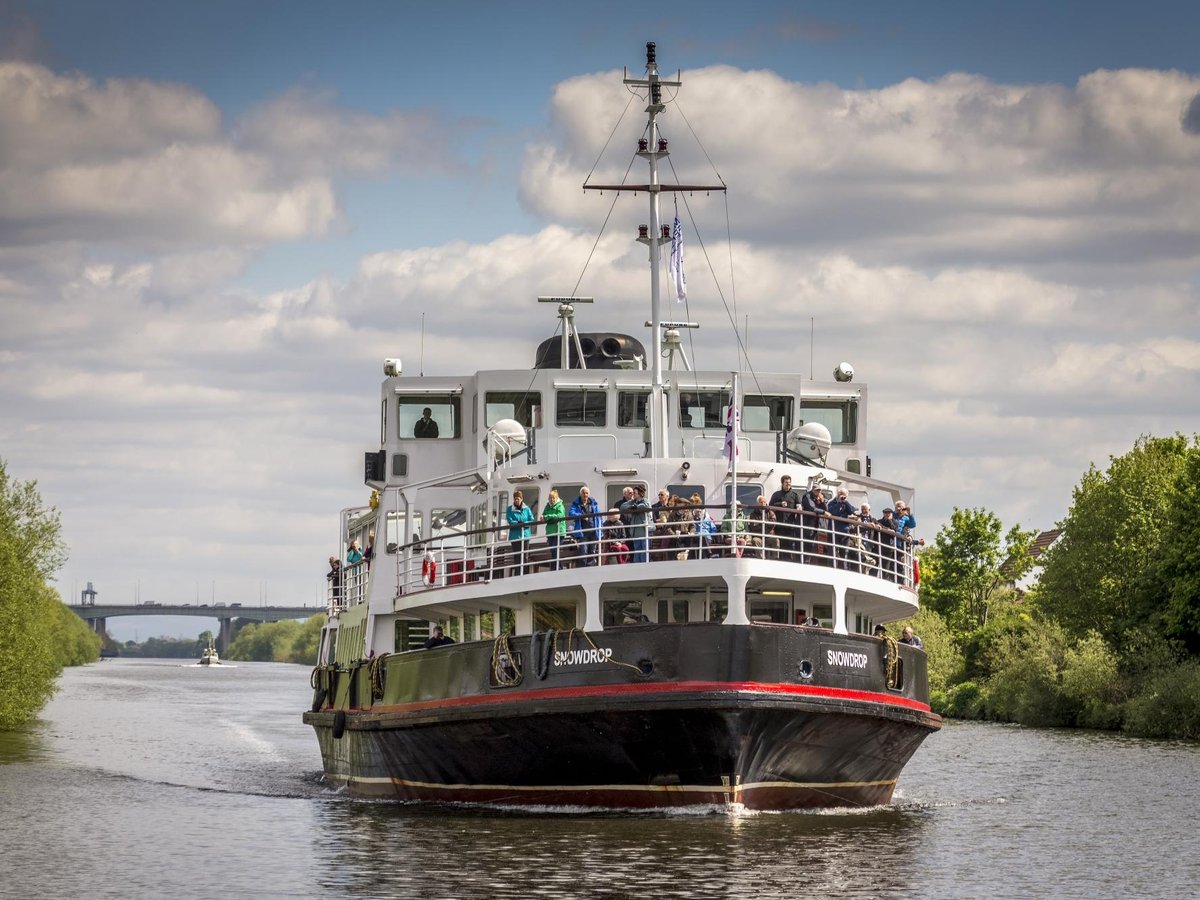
(217, 219)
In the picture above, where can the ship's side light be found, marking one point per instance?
(617, 471)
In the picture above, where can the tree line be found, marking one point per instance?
(1108, 636)
(288, 641)
(39, 634)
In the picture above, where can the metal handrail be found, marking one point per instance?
(487, 554)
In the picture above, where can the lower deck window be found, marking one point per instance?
(559, 616)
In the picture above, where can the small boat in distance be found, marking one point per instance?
(210, 657)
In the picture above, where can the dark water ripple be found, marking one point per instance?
(147, 779)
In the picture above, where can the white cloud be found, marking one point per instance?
(310, 133)
(960, 171)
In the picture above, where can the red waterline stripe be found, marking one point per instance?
(676, 687)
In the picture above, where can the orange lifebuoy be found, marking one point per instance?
(916, 571)
(429, 569)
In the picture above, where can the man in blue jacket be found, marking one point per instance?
(585, 525)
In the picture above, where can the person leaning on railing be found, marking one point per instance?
(520, 517)
(554, 515)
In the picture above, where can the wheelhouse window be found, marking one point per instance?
(444, 420)
(633, 409)
(767, 412)
(396, 532)
(703, 409)
(614, 493)
(524, 406)
(586, 408)
(839, 416)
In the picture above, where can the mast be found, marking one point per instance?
(652, 148)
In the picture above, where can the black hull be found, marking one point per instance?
(737, 727)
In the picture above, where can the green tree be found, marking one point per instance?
(1096, 576)
(1172, 583)
(961, 572)
(72, 641)
(31, 550)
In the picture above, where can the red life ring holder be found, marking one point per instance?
(916, 571)
(429, 569)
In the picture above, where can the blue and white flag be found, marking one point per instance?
(676, 266)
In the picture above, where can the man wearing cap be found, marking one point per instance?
(841, 509)
(635, 513)
(867, 541)
(887, 544)
(905, 523)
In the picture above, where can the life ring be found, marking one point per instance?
(339, 724)
(429, 568)
(916, 571)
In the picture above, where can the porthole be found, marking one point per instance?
(806, 669)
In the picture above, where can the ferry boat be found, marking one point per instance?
(718, 650)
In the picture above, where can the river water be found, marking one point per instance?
(145, 778)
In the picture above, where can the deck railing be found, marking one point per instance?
(689, 533)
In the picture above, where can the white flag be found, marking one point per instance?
(733, 424)
(676, 266)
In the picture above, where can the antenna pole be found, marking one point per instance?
(812, 341)
(422, 343)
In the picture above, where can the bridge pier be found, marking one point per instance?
(100, 626)
(225, 635)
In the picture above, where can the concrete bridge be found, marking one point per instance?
(97, 614)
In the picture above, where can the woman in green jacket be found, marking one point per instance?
(554, 514)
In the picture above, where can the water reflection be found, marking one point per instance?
(23, 746)
(766, 855)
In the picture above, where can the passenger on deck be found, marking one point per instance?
(866, 541)
(887, 545)
(438, 639)
(585, 525)
(680, 526)
(841, 509)
(354, 556)
(369, 553)
(803, 618)
(519, 517)
(705, 527)
(554, 515)
(788, 522)
(334, 577)
(816, 535)
(660, 536)
(425, 427)
(762, 530)
(733, 531)
(635, 513)
(616, 548)
(909, 637)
